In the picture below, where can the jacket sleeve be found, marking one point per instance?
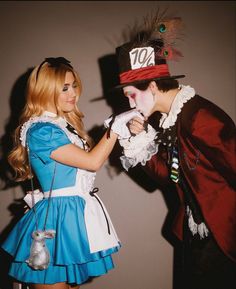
(215, 135)
(157, 168)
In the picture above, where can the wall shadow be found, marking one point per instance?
(16, 208)
(16, 104)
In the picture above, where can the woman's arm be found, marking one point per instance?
(47, 141)
(74, 156)
(93, 160)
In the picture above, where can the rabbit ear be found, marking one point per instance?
(49, 234)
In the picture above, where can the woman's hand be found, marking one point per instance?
(119, 124)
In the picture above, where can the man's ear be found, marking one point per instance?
(153, 87)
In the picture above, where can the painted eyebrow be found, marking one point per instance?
(130, 94)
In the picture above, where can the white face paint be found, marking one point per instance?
(142, 100)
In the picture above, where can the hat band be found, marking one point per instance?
(144, 73)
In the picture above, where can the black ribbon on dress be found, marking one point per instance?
(73, 130)
(92, 193)
(95, 190)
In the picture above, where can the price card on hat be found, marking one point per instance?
(142, 57)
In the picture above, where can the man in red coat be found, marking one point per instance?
(193, 147)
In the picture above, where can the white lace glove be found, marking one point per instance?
(119, 125)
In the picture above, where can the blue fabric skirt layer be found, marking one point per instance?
(70, 257)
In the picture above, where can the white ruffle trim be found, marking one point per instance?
(185, 94)
(58, 121)
(195, 228)
(139, 148)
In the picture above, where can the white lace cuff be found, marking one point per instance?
(139, 148)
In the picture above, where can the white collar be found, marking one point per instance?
(185, 94)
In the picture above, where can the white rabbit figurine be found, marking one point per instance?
(39, 255)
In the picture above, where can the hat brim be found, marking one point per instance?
(146, 80)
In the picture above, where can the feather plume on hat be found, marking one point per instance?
(160, 31)
(151, 43)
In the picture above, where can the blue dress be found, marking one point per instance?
(84, 239)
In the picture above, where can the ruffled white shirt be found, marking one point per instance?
(184, 95)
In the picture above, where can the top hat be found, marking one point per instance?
(145, 57)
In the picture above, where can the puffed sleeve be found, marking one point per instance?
(44, 138)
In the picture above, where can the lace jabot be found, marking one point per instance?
(51, 118)
(185, 94)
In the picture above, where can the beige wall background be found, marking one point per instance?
(84, 31)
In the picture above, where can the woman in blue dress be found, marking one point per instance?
(67, 236)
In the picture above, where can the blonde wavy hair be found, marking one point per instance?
(43, 88)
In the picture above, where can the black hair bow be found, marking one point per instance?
(54, 62)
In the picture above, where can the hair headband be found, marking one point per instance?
(54, 62)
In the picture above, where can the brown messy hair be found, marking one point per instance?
(162, 84)
(43, 88)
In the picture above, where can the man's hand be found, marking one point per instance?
(137, 125)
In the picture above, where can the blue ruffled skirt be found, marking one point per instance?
(70, 257)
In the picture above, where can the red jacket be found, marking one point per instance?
(207, 154)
